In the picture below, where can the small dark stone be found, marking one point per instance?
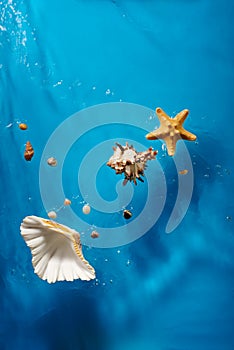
(127, 214)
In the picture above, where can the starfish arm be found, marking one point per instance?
(180, 117)
(186, 135)
(162, 116)
(151, 136)
(171, 145)
(156, 134)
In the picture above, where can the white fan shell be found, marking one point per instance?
(56, 250)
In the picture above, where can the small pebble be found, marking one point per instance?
(94, 234)
(52, 215)
(86, 209)
(52, 161)
(127, 214)
(183, 172)
(67, 201)
(23, 126)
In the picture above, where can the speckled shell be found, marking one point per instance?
(29, 151)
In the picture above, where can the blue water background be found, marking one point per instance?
(162, 292)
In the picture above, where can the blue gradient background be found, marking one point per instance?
(162, 292)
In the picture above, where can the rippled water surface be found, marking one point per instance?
(163, 291)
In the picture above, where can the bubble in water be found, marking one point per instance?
(58, 83)
(9, 125)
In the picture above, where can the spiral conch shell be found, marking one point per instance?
(56, 250)
(130, 162)
(29, 151)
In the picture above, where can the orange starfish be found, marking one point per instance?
(171, 130)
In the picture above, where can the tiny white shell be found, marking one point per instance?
(86, 209)
(52, 214)
(52, 161)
